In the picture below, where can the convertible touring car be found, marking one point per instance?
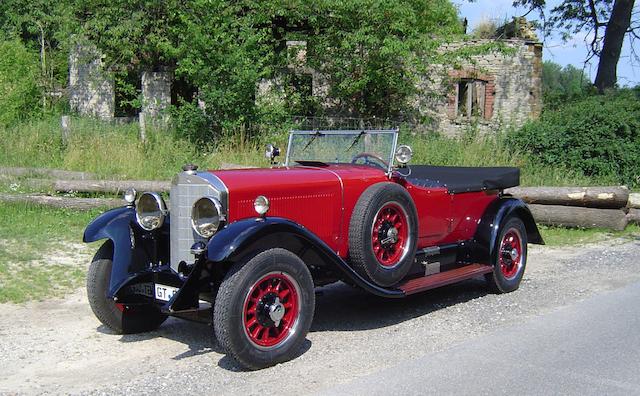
(244, 249)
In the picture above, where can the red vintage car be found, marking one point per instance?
(244, 249)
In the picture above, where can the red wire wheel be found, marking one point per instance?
(510, 254)
(389, 234)
(271, 310)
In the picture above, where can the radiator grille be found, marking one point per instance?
(185, 191)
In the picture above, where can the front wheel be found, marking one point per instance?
(122, 319)
(509, 257)
(264, 309)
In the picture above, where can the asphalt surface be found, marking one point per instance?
(590, 348)
(457, 339)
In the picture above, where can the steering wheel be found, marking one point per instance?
(381, 163)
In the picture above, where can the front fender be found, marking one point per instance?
(251, 236)
(115, 225)
(496, 214)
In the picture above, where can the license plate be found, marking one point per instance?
(164, 293)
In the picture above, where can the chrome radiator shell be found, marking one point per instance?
(186, 189)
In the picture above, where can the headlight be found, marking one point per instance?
(206, 216)
(404, 154)
(261, 205)
(150, 211)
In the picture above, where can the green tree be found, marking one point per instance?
(607, 21)
(19, 76)
(560, 85)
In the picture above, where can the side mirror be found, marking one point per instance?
(271, 152)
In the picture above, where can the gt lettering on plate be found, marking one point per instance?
(164, 293)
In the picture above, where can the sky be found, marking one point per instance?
(573, 52)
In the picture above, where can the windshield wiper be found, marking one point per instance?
(313, 137)
(356, 140)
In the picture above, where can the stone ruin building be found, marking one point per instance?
(488, 92)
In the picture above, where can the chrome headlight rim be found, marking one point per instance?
(404, 154)
(161, 208)
(221, 218)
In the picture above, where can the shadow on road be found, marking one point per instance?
(339, 307)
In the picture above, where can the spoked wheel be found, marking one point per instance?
(509, 257)
(264, 309)
(383, 233)
(272, 310)
(390, 234)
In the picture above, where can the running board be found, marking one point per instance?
(444, 278)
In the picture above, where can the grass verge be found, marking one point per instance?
(41, 254)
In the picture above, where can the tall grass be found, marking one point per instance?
(115, 151)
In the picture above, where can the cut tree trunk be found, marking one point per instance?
(634, 201)
(591, 197)
(571, 216)
(63, 202)
(43, 172)
(634, 216)
(101, 186)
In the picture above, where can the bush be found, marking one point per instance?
(598, 136)
(19, 76)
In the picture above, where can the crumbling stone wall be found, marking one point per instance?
(488, 92)
(156, 94)
(91, 88)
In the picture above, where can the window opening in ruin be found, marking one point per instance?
(127, 94)
(471, 99)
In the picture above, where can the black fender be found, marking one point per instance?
(494, 216)
(250, 236)
(116, 225)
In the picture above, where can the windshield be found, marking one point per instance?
(374, 148)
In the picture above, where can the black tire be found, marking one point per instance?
(245, 295)
(508, 269)
(363, 226)
(120, 318)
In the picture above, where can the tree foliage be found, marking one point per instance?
(598, 135)
(368, 50)
(562, 84)
(606, 22)
(19, 76)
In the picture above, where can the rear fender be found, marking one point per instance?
(245, 238)
(494, 217)
(115, 225)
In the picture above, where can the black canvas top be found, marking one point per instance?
(458, 179)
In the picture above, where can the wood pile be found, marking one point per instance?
(585, 207)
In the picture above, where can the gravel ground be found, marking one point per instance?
(58, 346)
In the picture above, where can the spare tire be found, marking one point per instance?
(383, 233)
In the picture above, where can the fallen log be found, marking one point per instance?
(63, 202)
(107, 186)
(591, 197)
(634, 216)
(572, 216)
(44, 172)
(634, 200)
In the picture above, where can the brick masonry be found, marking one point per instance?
(512, 84)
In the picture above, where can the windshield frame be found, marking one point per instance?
(352, 132)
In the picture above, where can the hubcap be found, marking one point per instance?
(510, 257)
(390, 234)
(271, 310)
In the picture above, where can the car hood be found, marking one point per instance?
(312, 196)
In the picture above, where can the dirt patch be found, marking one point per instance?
(58, 346)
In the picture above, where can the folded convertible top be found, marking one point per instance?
(458, 179)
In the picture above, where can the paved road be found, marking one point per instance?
(456, 339)
(589, 348)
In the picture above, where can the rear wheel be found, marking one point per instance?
(120, 318)
(509, 258)
(264, 309)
